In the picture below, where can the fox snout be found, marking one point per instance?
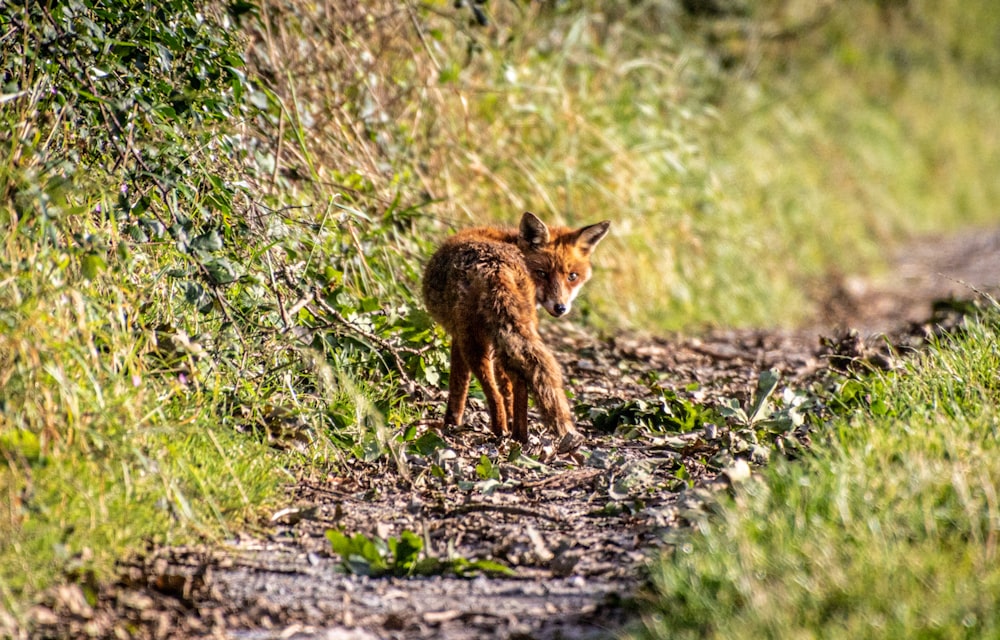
(556, 290)
(554, 308)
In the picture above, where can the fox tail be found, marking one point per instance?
(523, 354)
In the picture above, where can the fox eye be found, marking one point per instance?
(541, 274)
(573, 276)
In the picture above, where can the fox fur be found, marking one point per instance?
(483, 285)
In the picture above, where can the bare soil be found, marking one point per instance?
(576, 533)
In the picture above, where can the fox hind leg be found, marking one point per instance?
(506, 385)
(458, 386)
(526, 356)
(519, 412)
(481, 364)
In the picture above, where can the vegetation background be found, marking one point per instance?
(215, 214)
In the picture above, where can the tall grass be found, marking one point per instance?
(743, 160)
(110, 437)
(738, 174)
(889, 530)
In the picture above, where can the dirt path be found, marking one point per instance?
(574, 534)
(923, 272)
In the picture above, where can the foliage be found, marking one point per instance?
(768, 413)
(373, 556)
(114, 96)
(850, 541)
(669, 412)
(175, 329)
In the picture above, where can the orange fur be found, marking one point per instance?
(483, 285)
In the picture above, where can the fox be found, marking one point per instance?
(484, 285)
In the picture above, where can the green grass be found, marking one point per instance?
(129, 416)
(738, 175)
(105, 443)
(890, 529)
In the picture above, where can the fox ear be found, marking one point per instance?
(588, 237)
(533, 231)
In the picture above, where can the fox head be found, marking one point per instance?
(558, 259)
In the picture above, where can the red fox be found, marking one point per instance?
(483, 285)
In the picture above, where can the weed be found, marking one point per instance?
(667, 413)
(402, 556)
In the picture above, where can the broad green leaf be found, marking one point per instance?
(91, 265)
(428, 443)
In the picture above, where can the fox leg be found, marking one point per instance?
(506, 387)
(519, 412)
(525, 355)
(481, 364)
(458, 386)
(546, 382)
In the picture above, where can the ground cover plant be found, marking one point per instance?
(887, 529)
(215, 214)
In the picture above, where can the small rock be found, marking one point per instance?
(738, 472)
(71, 596)
(415, 504)
(563, 564)
(43, 616)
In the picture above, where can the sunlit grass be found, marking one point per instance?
(889, 530)
(103, 447)
(129, 417)
(742, 174)
(734, 194)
